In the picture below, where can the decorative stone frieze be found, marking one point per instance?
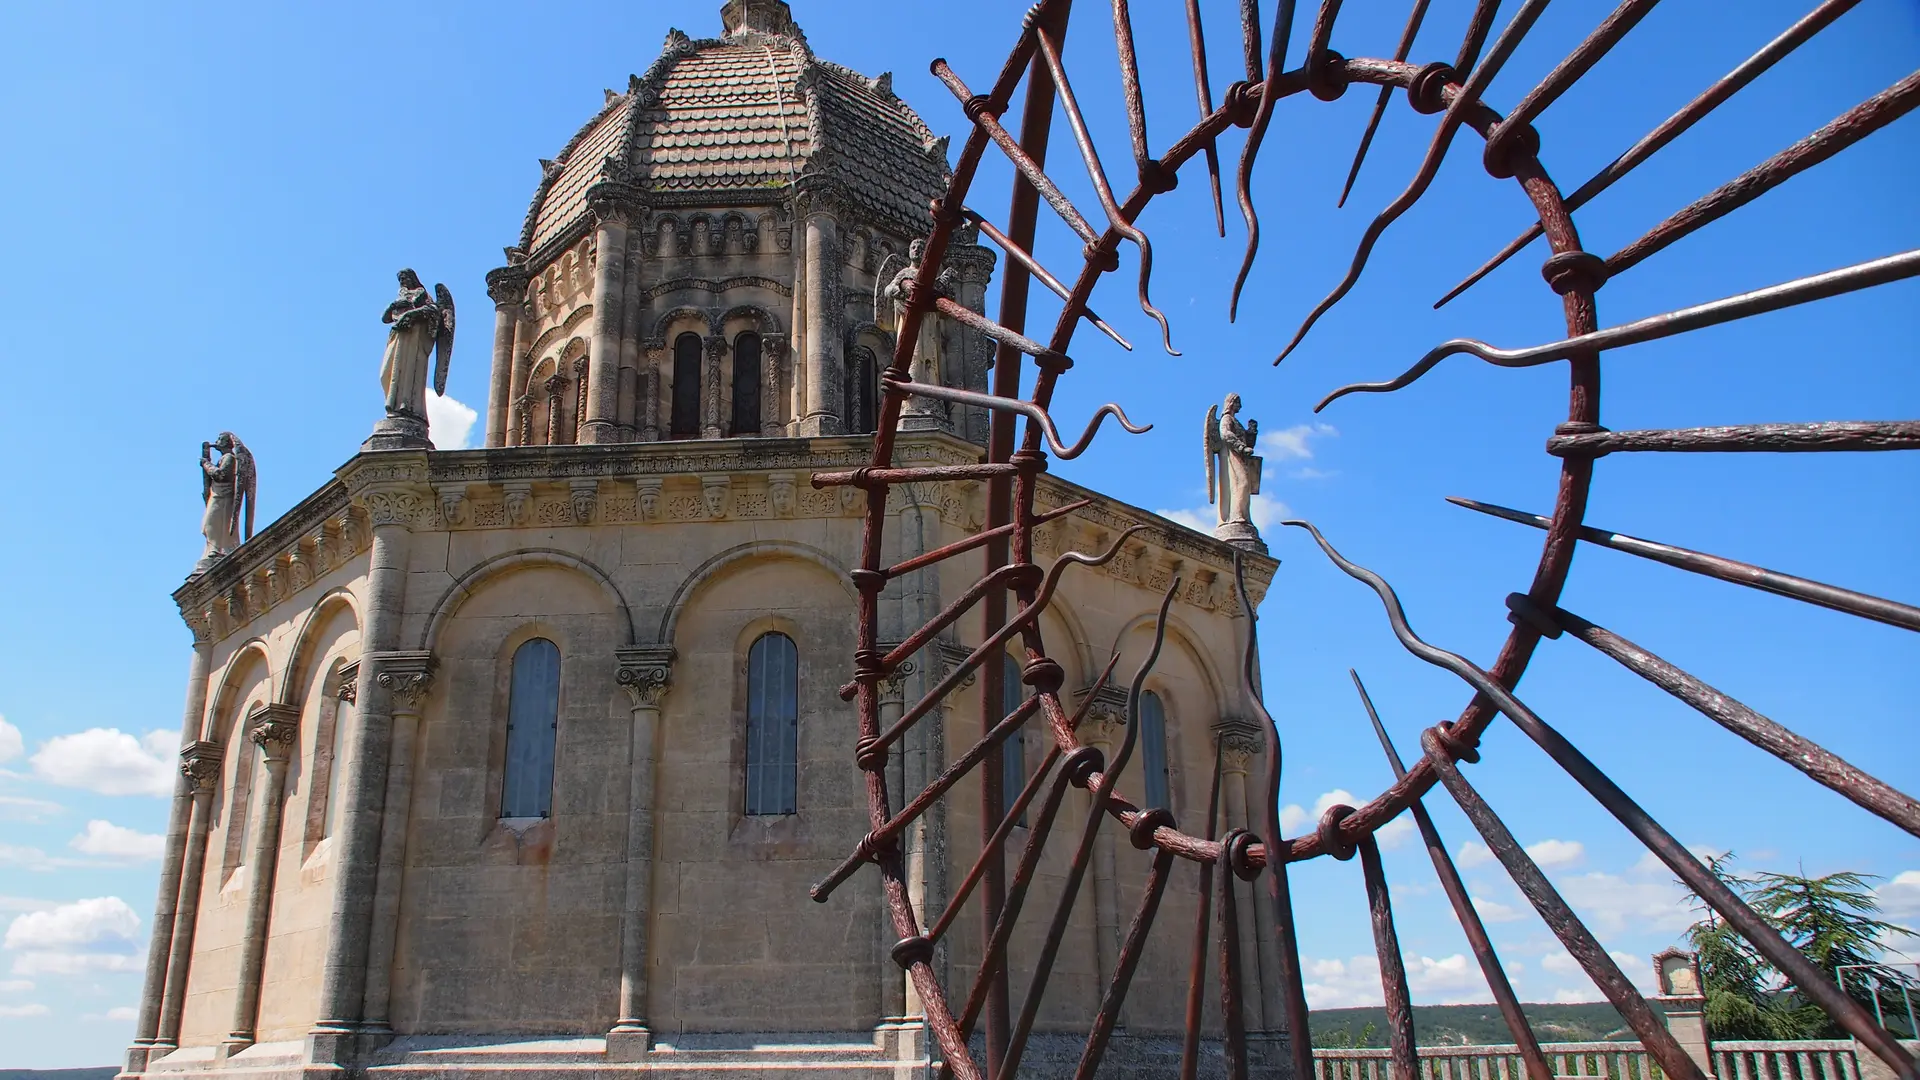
(274, 728)
(584, 496)
(408, 676)
(515, 496)
(780, 493)
(453, 499)
(646, 492)
(646, 674)
(715, 490)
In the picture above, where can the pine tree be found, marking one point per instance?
(1831, 921)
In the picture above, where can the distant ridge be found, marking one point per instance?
(1472, 1025)
(105, 1072)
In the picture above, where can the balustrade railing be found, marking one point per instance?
(1824, 1059)
(1732, 1060)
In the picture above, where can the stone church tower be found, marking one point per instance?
(523, 758)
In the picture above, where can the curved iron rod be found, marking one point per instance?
(1131, 950)
(1450, 122)
(1027, 409)
(1500, 141)
(1832, 597)
(1478, 27)
(1414, 19)
(1825, 435)
(1262, 116)
(1772, 298)
(1025, 258)
(1672, 128)
(1197, 45)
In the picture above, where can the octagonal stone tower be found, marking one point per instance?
(521, 759)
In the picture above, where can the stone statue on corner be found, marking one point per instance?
(227, 487)
(422, 326)
(1233, 472)
(890, 299)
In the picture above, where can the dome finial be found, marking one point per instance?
(761, 16)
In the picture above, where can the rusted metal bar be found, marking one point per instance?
(1478, 27)
(1203, 89)
(1824, 766)
(1414, 19)
(1833, 597)
(1130, 86)
(1250, 38)
(1322, 36)
(1850, 127)
(1393, 971)
(1464, 912)
(1028, 166)
(1456, 114)
(1826, 435)
(1233, 1025)
(1672, 128)
(978, 539)
(1262, 116)
(1197, 958)
(1772, 298)
(1514, 134)
(1004, 336)
(1560, 919)
(1130, 952)
(1032, 412)
(872, 478)
(1013, 816)
(945, 618)
(1024, 258)
(1116, 218)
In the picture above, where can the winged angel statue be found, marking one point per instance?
(421, 325)
(1233, 469)
(890, 298)
(227, 487)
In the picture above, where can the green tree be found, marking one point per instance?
(1742, 1001)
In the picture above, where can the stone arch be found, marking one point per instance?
(719, 564)
(468, 583)
(301, 656)
(764, 321)
(663, 323)
(574, 319)
(225, 687)
(1082, 644)
(1182, 636)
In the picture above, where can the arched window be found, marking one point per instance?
(862, 391)
(1013, 752)
(686, 386)
(533, 719)
(746, 384)
(343, 710)
(1153, 750)
(773, 725)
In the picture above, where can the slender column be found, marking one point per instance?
(408, 677)
(396, 498)
(968, 369)
(1239, 744)
(895, 987)
(797, 325)
(200, 762)
(273, 728)
(773, 350)
(645, 673)
(650, 392)
(713, 411)
(632, 307)
(610, 207)
(508, 287)
(556, 385)
(148, 1023)
(826, 352)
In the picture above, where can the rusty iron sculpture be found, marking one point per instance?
(1011, 467)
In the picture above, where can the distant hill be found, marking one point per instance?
(1471, 1025)
(103, 1073)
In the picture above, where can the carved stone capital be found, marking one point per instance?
(200, 622)
(508, 286)
(646, 673)
(349, 690)
(893, 688)
(950, 655)
(1106, 718)
(274, 728)
(613, 202)
(200, 761)
(408, 676)
(1240, 741)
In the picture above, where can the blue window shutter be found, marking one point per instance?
(773, 725)
(533, 719)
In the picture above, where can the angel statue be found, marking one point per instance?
(1233, 470)
(422, 325)
(227, 487)
(890, 301)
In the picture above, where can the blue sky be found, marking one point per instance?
(207, 207)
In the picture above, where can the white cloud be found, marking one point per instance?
(122, 1013)
(1613, 904)
(26, 858)
(1335, 984)
(21, 808)
(1266, 511)
(108, 761)
(15, 1012)
(1452, 980)
(110, 841)
(11, 745)
(1494, 911)
(449, 422)
(1569, 996)
(1473, 853)
(1900, 898)
(93, 935)
(1557, 852)
(15, 986)
(1292, 443)
(1394, 833)
(21, 903)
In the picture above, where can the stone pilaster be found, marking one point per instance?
(646, 674)
(407, 678)
(773, 352)
(895, 988)
(200, 764)
(649, 405)
(973, 351)
(825, 357)
(556, 387)
(1239, 743)
(507, 285)
(613, 210)
(395, 495)
(274, 729)
(712, 411)
(1105, 727)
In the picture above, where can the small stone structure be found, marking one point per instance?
(366, 867)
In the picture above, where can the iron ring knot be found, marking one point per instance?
(913, 950)
(1043, 673)
(1457, 748)
(1574, 271)
(868, 754)
(1242, 102)
(1522, 611)
(1082, 764)
(1237, 849)
(977, 106)
(1141, 831)
(1156, 178)
(1509, 149)
(1427, 91)
(873, 848)
(1334, 844)
(1328, 81)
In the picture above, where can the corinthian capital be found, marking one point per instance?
(274, 728)
(646, 673)
(508, 285)
(200, 761)
(408, 676)
(1240, 741)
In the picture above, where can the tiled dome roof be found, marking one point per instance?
(737, 120)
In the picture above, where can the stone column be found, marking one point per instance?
(147, 1026)
(508, 287)
(273, 728)
(611, 208)
(1239, 743)
(895, 988)
(714, 413)
(632, 307)
(1105, 727)
(773, 351)
(200, 762)
(649, 405)
(645, 673)
(974, 263)
(408, 678)
(396, 498)
(556, 386)
(825, 317)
